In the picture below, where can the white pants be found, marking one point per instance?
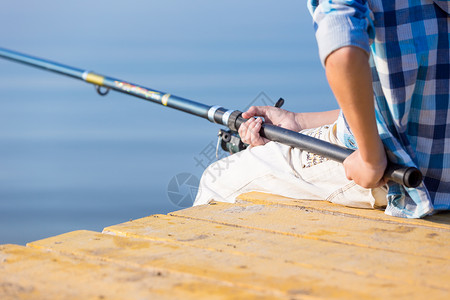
(290, 172)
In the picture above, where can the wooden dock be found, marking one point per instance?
(263, 247)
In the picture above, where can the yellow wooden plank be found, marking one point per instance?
(342, 229)
(366, 262)
(27, 273)
(262, 274)
(440, 220)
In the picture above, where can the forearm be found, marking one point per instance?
(316, 119)
(349, 76)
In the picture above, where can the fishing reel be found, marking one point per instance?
(230, 141)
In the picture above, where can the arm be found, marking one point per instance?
(349, 76)
(316, 119)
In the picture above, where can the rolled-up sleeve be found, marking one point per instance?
(340, 23)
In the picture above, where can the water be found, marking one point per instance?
(70, 159)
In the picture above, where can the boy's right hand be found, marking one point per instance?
(249, 131)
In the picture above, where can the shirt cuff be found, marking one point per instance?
(337, 31)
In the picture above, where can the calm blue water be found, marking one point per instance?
(70, 159)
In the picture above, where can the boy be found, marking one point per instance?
(387, 62)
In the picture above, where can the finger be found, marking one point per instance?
(246, 135)
(243, 129)
(254, 128)
(250, 132)
(260, 111)
(346, 169)
(260, 140)
(250, 112)
(245, 132)
(251, 128)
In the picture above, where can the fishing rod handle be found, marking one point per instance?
(407, 176)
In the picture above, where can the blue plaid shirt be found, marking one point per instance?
(409, 45)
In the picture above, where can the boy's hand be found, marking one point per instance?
(368, 174)
(249, 131)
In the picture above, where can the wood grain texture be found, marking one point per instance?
(262, 247)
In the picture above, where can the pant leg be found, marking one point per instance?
(290, 172)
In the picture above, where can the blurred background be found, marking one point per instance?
(70, 159)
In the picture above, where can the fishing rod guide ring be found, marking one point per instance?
(101, 92)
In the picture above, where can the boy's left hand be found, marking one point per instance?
(368, 174)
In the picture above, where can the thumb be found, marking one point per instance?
(259, 111)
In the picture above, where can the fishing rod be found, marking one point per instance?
(407, 176)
